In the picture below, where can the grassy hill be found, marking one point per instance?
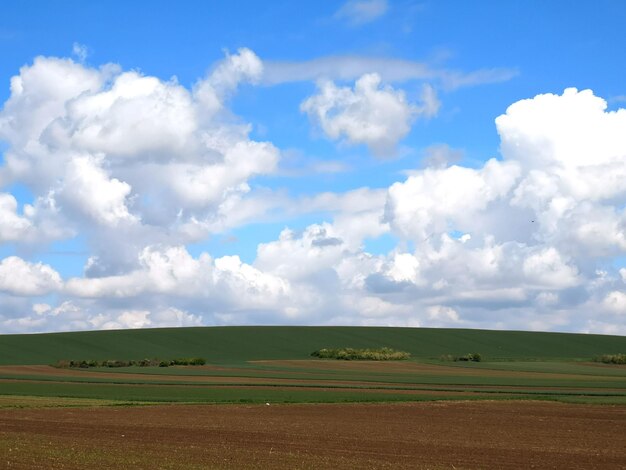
(238, 344)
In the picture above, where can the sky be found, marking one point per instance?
(361, 162)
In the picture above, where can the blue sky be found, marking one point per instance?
(339, 172)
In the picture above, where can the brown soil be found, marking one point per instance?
(417, 435)
(314, 367)
(346, 384)
(388, 367)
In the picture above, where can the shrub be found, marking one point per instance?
(611, 358)
(115, 363)
(193, 361)
(146, 363)
(475, 357)
(471, 357)
(351, 354)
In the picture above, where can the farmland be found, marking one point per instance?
(240, 344)
(356, 436)
(249, 368)
(274, 364)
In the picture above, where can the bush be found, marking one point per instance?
(115, 363)
(475, 357)
(611, 358)
(471, 357)
(146, 363)
(351, 354)
(193, 361)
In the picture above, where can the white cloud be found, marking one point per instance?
(174, 317)
(548, 269)
(309, 252)
(451, 80)
(174, 272)
(41, 309)
(130, 319)
(115, 320)
(244, 66)
(19, 277)
(351, 67)
(404, 268)
(442, 313)
(430, 102)
(227, 75)
(140, 167)
(440, 156)
(574, 157)
(568, 131)
(74, 315)
(371, 114)
(615, 302)
(13, 227)
(437, 200)
(102, 147)
(80, 51)
(38, 223)
(359, 12)
(88, 189)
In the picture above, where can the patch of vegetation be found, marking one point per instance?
(352, 354)
(237, 345)
(188, 361)
(611, 358)
(470, 357)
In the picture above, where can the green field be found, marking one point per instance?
(273, 364)
(239, 344)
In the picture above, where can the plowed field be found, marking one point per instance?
(408, 435)
(321, 382)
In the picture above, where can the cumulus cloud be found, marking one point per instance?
(143, 319)
(141, 167)
(19, 277)
(615, 302)
(548, 268)
(108, 147)
(173, 271)
(76, 315)
(442, 313)
(13, 227)
(574, 155)
(372, 114)
(437, 200)
(543, 214)
(88, 189)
